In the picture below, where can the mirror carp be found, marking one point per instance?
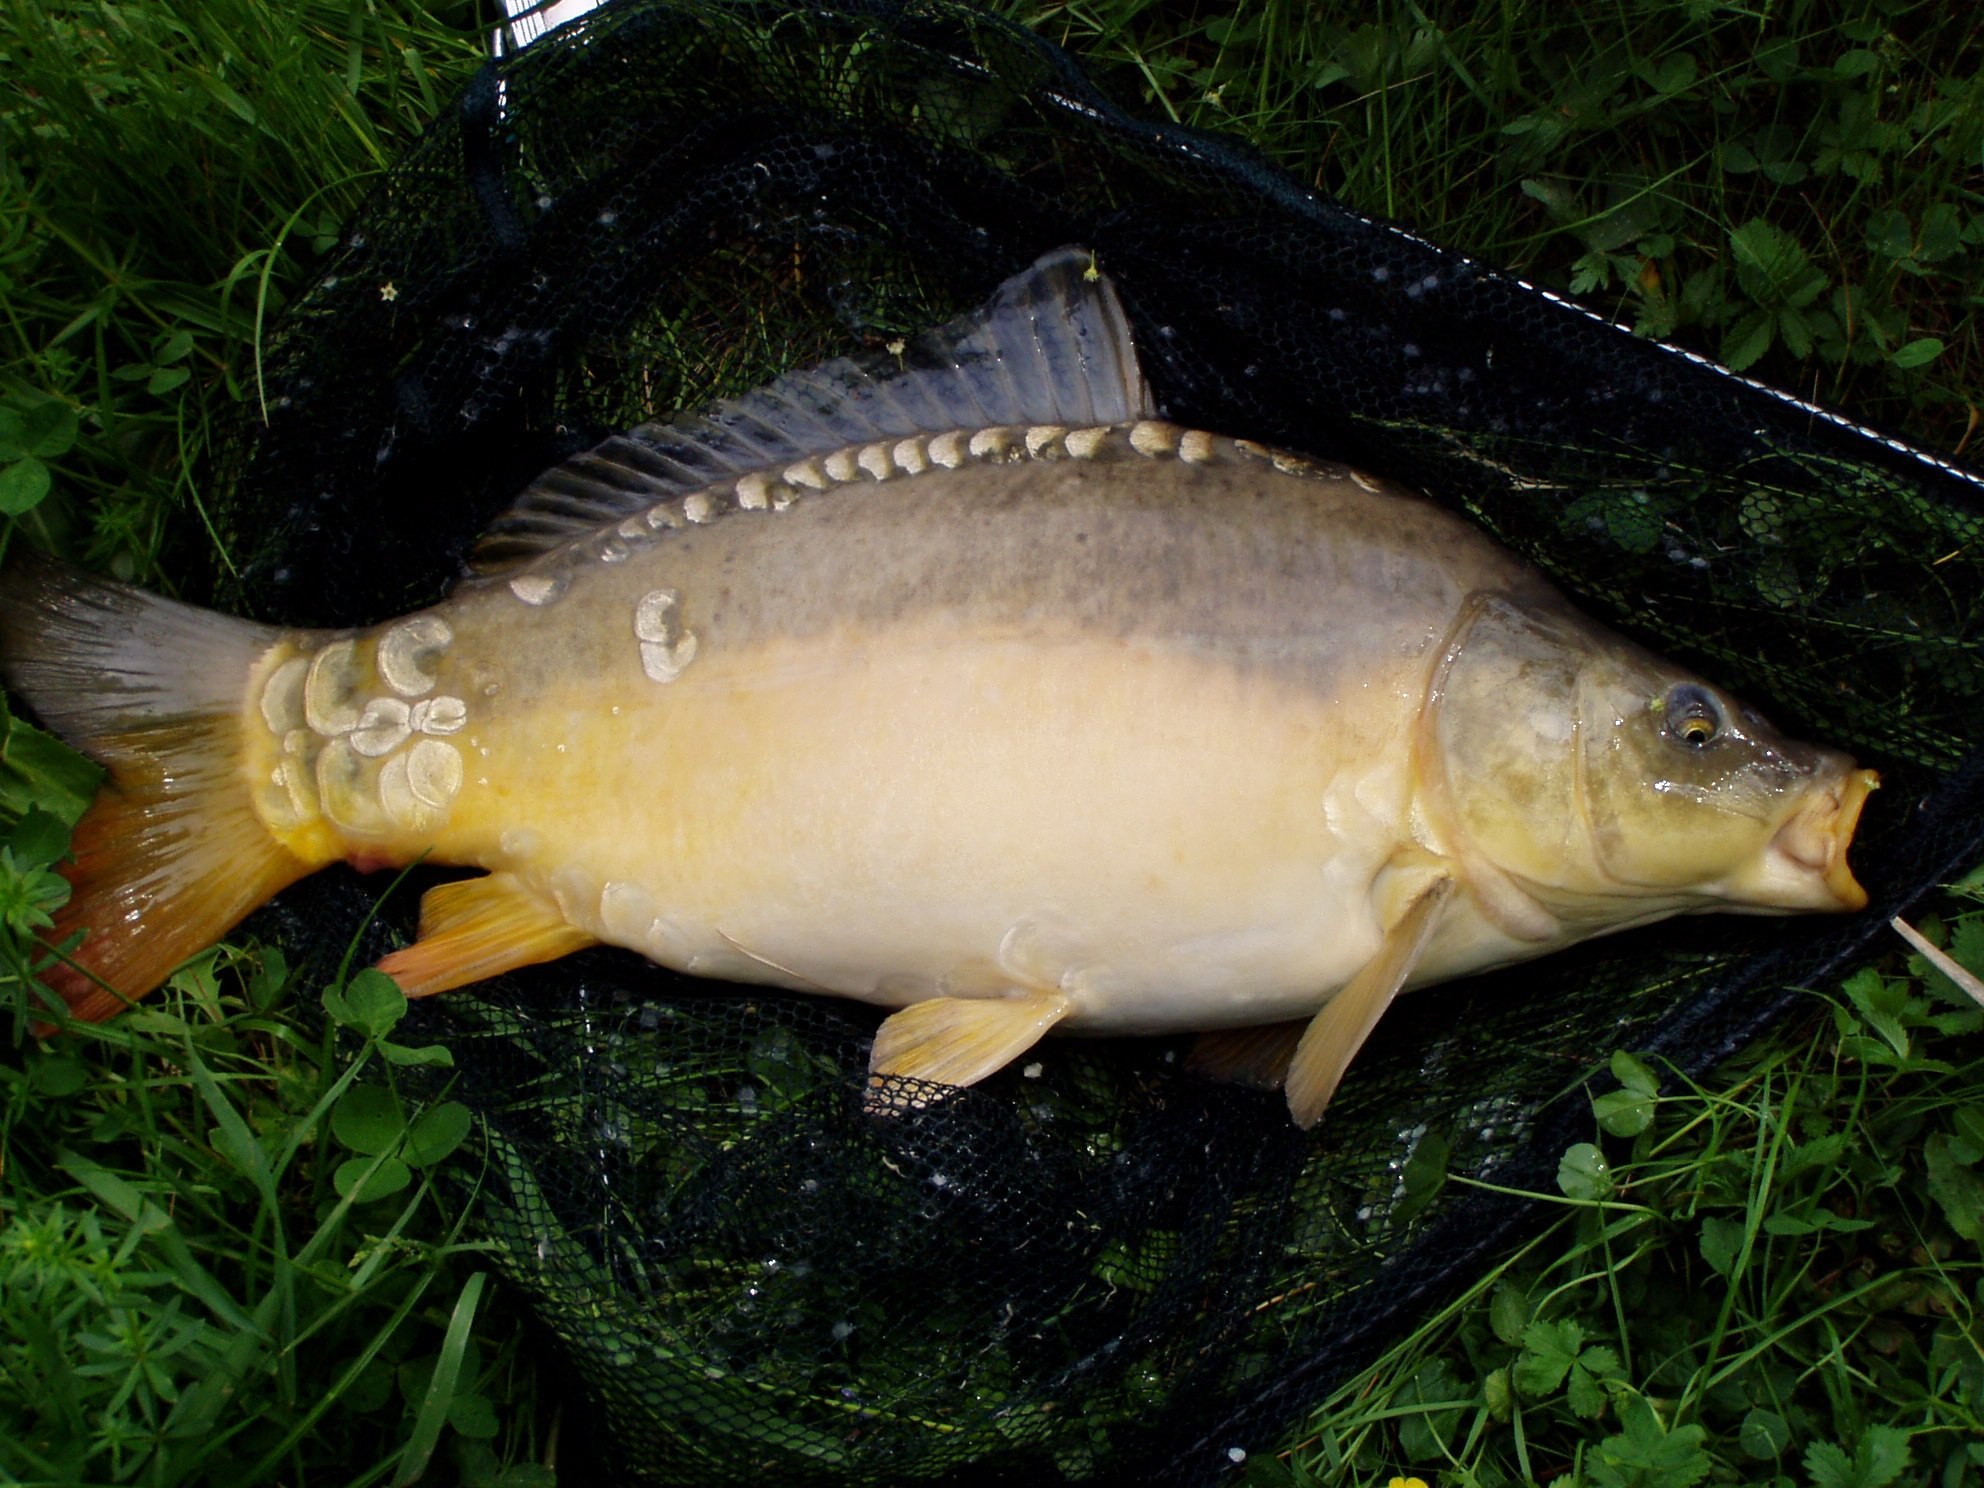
(953, 679)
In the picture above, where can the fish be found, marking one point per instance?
(955, 679)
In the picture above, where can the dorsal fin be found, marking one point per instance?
(1052, 346)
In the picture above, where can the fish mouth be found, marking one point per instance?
(1817, 837)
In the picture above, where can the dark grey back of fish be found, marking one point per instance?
(1228, 555)
(1007, 472)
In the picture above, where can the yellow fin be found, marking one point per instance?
(1259, 1057)
(169, 857)
(477, 928)
(172, 852)
(1337, 1032)
(960, 1040)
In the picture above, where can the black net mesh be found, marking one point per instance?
(1096, 1266)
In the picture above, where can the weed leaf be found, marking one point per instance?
(1955, 1185)
(363, 1179)
(1549, 1351)
(438, 1132)
(1584, 1173)
(367, 1119)
(28, 895)
(1647, 1455)
(1747, 340)
(1509, 1314)
(1919, 353)
(38, 770)
(371, 1003)
(39, 839)
(1764, 1434)
(433, 1056)
(1879, 1459)
(22, 485)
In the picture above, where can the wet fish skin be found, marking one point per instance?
(1109, 727)
(899, 751)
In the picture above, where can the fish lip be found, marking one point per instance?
(1816, 838)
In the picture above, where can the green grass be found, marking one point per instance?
(1769, 1277)
(1791, 189)
(222, 1252)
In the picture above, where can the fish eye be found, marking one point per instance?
(1693, 716)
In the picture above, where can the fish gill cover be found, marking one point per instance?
(1095, 1266)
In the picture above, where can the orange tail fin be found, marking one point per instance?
(171, 855)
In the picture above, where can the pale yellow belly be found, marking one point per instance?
(1177, 844)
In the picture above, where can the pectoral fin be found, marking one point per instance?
(959, 1040)
(478, 928)
(1337, 1032)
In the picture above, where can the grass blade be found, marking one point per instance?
(440, 1394)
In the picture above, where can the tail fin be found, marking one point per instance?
(171, 855)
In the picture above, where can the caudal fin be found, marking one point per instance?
(171, 854)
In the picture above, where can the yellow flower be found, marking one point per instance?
(1406, 1483)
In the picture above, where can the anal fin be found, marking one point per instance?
(960, 1040)
(478, 928)
(1337, 1032)
(1258, 1057)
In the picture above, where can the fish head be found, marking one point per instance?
(1614, 785)
(1687, 787)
